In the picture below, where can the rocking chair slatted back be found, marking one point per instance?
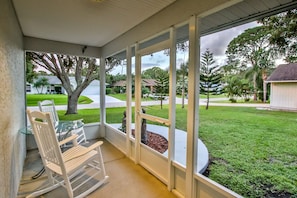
(45, 136)
(49, 106)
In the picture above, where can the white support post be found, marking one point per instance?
(128, 100)
(172, 108)
(138, 109)
(193, 106)
(102, 96)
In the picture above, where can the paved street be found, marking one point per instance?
(113, 102)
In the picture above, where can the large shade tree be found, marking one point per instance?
(30, 71)
(252, 48)
(282, 28)
(83, 69)
(152, 73)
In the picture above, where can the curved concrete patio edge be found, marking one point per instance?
(180, 146)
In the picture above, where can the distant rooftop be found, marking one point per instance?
(284, 72)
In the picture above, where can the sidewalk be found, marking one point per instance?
(113, 102)
(202, 102)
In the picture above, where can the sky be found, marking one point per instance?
(216, 43)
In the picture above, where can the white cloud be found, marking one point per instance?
(217, 43)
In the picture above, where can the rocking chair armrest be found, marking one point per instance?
(68, 139)
(85, 151)
(94, 146)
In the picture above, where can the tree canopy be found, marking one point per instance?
(152, 73)
(30, 73)
(282, 28)
(252, 50)
(84, 70)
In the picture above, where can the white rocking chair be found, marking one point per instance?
(49, 106)
(79, 169)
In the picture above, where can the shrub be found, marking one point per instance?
(108, 91)
(232, 100)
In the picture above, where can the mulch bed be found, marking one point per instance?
(156, 141)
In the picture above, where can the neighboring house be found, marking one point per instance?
(283, 94)
(55, 87)
(121, 83)
(149, 83)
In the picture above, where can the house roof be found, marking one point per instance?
(284, 73)
(145, 82)
(54, 80)
(121, 83)
(149, 82)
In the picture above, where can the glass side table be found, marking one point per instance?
(63, 129)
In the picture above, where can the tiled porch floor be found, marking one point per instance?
(126, 179)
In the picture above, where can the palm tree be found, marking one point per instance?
(41, 83)
(233, 87)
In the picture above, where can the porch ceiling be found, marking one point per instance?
(98, 22)
(85, 22)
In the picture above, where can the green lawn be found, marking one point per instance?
(252, 151)
(213, 96)
(118, 96)
(123, 96)
(59, 99)
(240, 100)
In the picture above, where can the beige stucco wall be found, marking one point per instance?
(12, 103)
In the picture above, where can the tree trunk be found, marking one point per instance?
(183, 97)
(207, 101)
(72, 104)
(255, 86)
(264, 78)
(161, 101)
(264, 91)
